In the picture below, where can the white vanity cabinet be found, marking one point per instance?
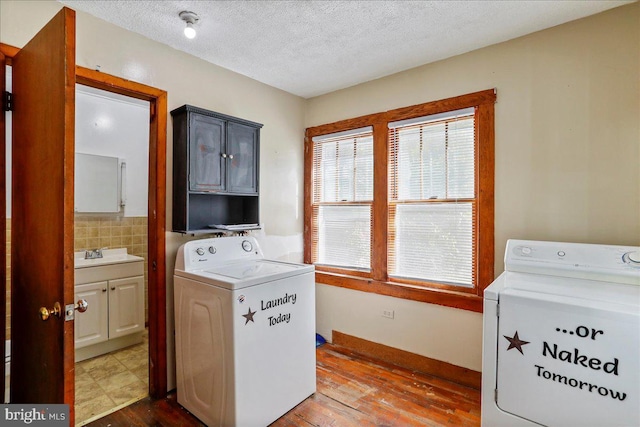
(92, 326)
(126, 306)
(114, 290)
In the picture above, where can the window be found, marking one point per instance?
(401, 202)
(342, 199)
(432, 198)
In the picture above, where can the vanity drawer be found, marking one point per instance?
(108, 272)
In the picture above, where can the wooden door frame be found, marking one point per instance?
(156, 273)
(3, 224)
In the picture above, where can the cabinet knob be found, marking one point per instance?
(231, 156)
(104, 289)
(224, 155)
(113, 288)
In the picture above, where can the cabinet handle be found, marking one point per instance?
(224, 155)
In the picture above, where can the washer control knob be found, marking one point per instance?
(526, 250)
(247, 246)
(632, 258)
(200, 251)
(561, 253)
(212, 250)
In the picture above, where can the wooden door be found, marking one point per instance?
(42, 353)
(3, 223)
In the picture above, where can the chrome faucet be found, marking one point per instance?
(93, 253)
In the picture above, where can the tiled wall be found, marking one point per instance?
(97, 232)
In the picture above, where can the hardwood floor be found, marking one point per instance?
(353, 390)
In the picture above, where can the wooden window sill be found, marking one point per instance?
(448, 298)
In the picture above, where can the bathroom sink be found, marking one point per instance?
(109, 256)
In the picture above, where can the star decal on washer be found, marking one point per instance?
(249, 316)
(516, 342)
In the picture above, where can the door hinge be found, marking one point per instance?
(7, 101)
(498, 310)
(152, 111)
(495, 395)
(154, 265)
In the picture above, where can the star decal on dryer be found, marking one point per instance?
(516, 342)
(249, 316)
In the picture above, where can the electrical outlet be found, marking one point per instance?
(388, 313)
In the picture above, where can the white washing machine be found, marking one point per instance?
(245, 332)
(562, 337)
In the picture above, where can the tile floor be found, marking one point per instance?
(109, 382)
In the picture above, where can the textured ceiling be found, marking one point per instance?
(309, 48)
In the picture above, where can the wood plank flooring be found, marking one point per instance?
(353, 390)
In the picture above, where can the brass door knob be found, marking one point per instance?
(45, 313)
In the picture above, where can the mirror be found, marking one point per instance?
(96, 181)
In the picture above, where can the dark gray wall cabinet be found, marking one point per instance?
(215, 169)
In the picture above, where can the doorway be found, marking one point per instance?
(156, 208)
(110, 220)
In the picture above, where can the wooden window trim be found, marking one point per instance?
(378, 281)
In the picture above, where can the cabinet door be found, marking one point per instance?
(126, 306)
(91, 327)
(242, 150)
(206, 150)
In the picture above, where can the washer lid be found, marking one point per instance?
(259, 268)
(248, 273)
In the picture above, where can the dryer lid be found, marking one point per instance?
(606, 263)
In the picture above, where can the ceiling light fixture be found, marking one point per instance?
(190, 18)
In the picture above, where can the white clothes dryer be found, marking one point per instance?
(561, 344)
(245, 332)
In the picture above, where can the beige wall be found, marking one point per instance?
(562, 171)
(567, 159)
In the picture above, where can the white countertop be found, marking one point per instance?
(109, 256)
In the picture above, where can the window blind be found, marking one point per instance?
(432, 201)
(342, 199)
